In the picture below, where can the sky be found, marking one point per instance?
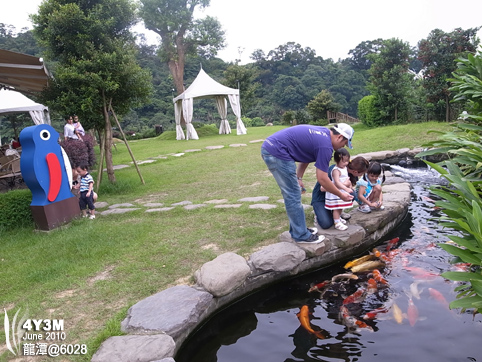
(331, 28)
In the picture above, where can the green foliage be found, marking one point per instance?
(390, 81)
(461, 201)
(181, 34)
(288, 117)
(467, 81)
(321, 104)
(15, 206)
(253, 122)
(437, 54)
(368, 112)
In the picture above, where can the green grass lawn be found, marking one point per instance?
(90, 272)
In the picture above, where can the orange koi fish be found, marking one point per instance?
(304, 317)
(378, 276)
(371, 286)
(392, 243)
(356, 297)
(319, 287)
(373, 314)
(439, 297)
(412, 312)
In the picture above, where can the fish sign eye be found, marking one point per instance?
(45, 135)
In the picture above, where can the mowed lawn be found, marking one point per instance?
(90, 272)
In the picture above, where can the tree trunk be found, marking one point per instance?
(108, 144)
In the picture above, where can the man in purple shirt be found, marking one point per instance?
(304, 144)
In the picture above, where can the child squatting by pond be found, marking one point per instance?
(369, 193)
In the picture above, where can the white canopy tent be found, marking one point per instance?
(206, 87)
(15, 102)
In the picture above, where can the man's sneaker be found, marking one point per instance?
(92, 217)
(364, 208)
(313, 239)
(313, 230)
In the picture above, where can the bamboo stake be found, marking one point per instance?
(127, 144)
(101, 162)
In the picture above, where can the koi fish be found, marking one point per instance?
(360, 260)
(412, 312)
(462, 267)
(439, 297)
(397, 313)
(371, 286)
(350, 321)
(392, 243)
(304, 317)
(356, 297)
(426, 198)
(420, 273)
(414, 290)
(378, 276)
(376, 252)
(373, 314)
(367, 266)
(320, 286)
(344, 276)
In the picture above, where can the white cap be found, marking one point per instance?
(346, 131)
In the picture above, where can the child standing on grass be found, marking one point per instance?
(340, 178)
(86, 196)
(369, 189)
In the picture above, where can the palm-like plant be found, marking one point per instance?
(461, 200)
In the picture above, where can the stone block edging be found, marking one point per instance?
(176, 312)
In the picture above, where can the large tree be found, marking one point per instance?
(437, 54)
(96, 69)
(390, 81)
(181, 34)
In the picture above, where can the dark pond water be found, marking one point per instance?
(415, 321)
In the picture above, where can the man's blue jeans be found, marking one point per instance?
(284, 173)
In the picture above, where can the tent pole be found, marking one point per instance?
(127, 144)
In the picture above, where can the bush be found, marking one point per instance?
(15, 206)
(80, 152)
(320, 122)
(368, 111)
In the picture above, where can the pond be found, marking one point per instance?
(354, 319)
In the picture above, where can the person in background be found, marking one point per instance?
(69, 130)
(324, 217)
(339, 175)
(303, 144)
(369, 189)
(15, 143)
(78, 127)
(86, 191)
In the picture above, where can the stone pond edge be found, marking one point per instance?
(158, 326)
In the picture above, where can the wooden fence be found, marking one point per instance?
(340, 117)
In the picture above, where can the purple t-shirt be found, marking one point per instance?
(303, 143)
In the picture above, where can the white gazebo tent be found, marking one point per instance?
(206, 87)
(15, 102)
